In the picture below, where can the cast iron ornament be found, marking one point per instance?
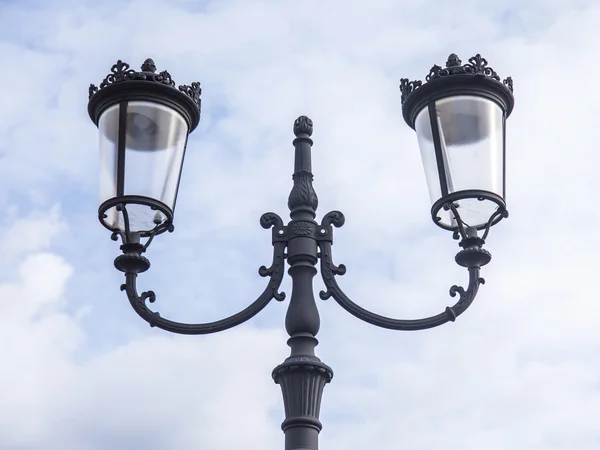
(302, 243)
(121, 86)
(121, 72)
(303, 229)
(303, 125)
(474, 79)
(477, 66)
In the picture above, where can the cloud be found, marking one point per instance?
(518, 370)
(56, 397)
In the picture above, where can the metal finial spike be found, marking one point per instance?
(303, 125)
(149, 66)
(453, 60)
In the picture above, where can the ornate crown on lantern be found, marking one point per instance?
(477, 66)
(121, 72)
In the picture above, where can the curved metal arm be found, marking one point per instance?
(329, 270)
(275, 272)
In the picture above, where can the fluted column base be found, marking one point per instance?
(302, 379)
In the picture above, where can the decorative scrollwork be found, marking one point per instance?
(335, 218)
(330, 270)
(118, 234)
(457, 290)
(275, 272)
(165, 78)
(465, 297)
(270, 219)
(148, 295)
(477, 66)
(193, 91)
(121, 71)
(265, 271)
(406, 87)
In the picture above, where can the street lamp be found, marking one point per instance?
(459, 115)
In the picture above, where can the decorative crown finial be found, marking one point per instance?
(453, 60)
(121, 72)
(149, 66)
(476, 66)
(303, 125)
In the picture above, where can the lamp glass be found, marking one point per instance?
(471, 154)
(155, 141)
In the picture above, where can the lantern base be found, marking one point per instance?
(450, 205)
(124, 225)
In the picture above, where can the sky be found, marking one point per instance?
(520, 370)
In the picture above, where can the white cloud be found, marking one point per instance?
(518, 370)
(32, 233)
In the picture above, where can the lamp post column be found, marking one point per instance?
(302, 376)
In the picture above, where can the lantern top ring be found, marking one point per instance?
(125, 84)
(474, 78)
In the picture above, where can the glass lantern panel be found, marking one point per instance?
(109, 136)
(471, 152)
(471, 138)
(424, 137)
(155, 141)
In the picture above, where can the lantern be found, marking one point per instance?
(144, 122)
(459, 115)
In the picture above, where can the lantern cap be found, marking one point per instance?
(134, 85)
(473, 78)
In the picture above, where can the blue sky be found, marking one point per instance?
(519, 370)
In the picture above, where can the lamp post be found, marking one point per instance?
(459, 115)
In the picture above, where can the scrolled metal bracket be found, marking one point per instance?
(473, 256)
(275, 273)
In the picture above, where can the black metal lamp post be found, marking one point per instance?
(459, 115)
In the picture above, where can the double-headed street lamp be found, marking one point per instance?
(459, 115)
